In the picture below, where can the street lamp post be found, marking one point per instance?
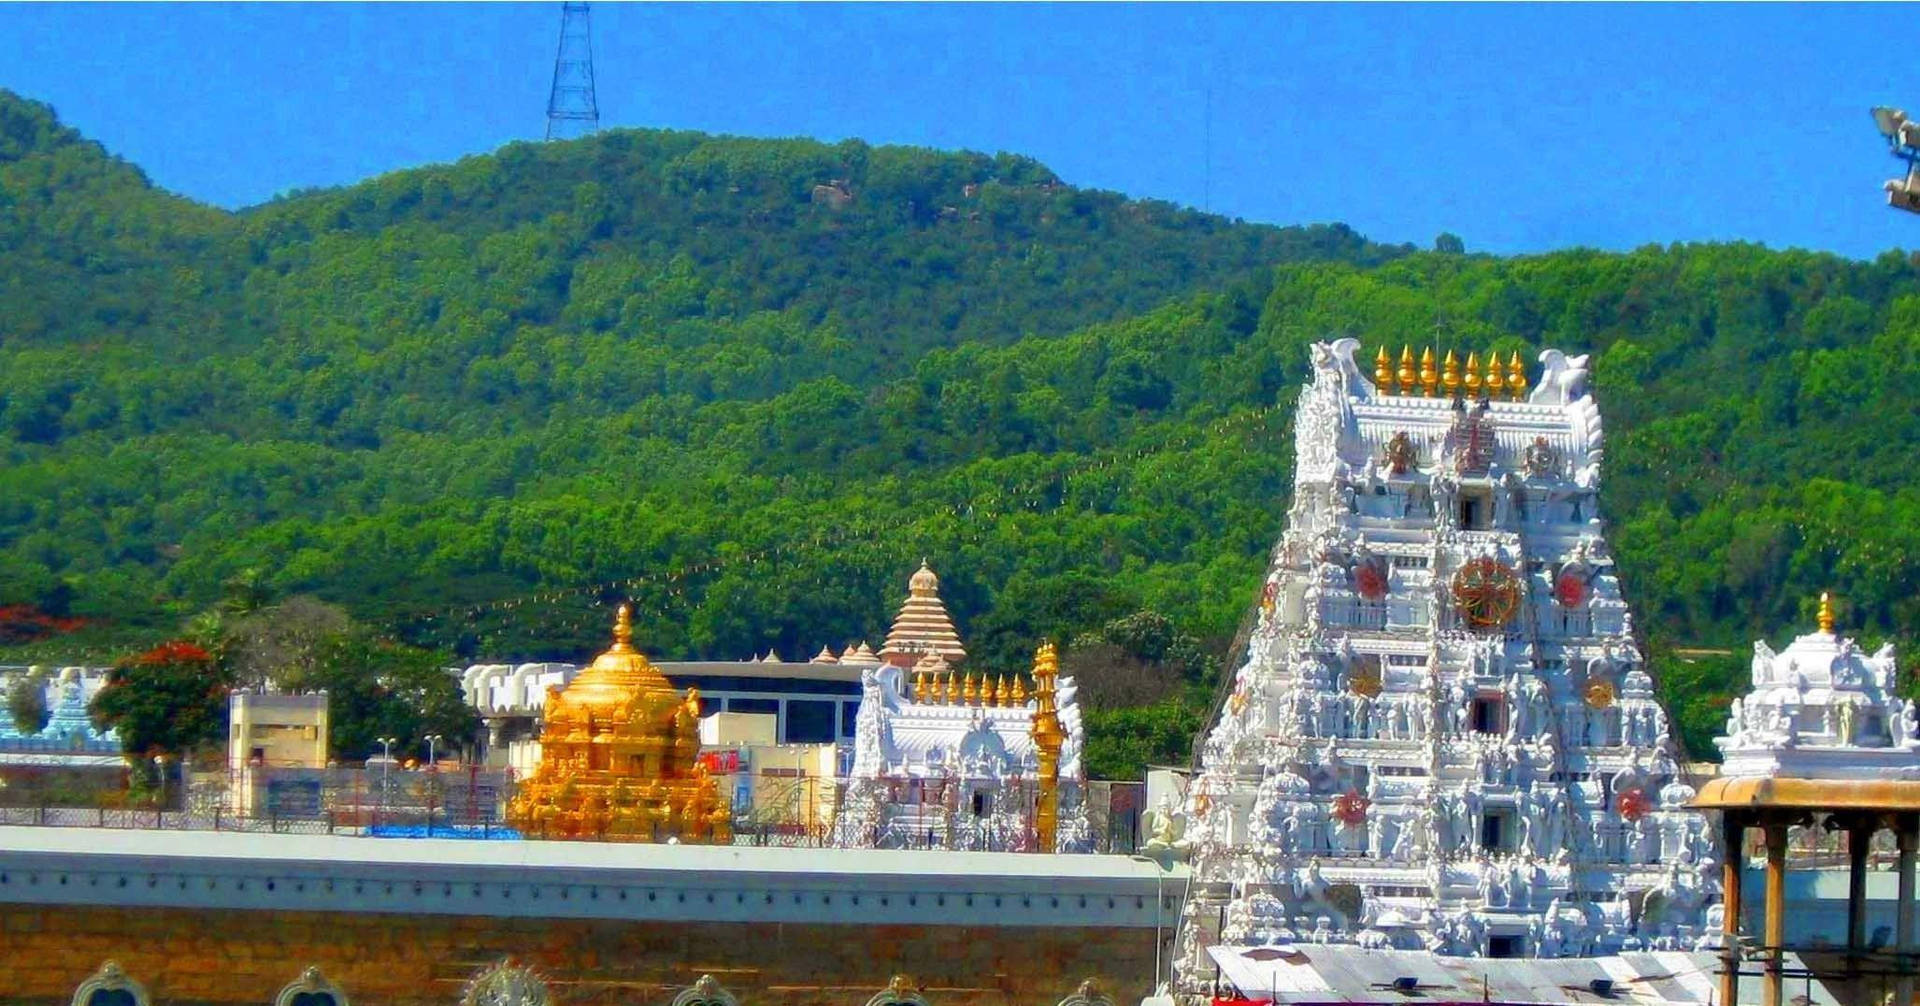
(160, 779)
(386, 768)
(433, 781)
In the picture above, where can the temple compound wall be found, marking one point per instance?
(201, 918)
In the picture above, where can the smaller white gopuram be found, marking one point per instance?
(952, 760)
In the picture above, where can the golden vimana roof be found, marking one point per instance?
(922, 626)
(616, 676)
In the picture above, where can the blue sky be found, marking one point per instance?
(1520, 128)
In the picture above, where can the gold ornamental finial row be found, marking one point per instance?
(1426, 381)
(954, 689)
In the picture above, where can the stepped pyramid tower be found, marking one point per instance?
(1443, 736)
(922, 626)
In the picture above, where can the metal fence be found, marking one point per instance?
(470, 802)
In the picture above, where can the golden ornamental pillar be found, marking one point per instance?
(1047, 740)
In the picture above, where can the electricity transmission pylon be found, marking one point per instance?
(572, 109)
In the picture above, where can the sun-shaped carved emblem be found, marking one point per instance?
(1486, 593)
(1632, 804)
(1599, 694)
(1350, 809)
(1364, 681)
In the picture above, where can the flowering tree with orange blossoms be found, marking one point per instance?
(171, 699)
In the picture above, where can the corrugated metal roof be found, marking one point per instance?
(1311, 974)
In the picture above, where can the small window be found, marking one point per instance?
(982, 803)
(1470, 514)
(809, 721)
(1504, 946)
(1489, 715)
(1496, 831)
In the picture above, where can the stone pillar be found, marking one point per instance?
(1907, 830)
(1733, 826)
(1776, 925)
(1859, 835)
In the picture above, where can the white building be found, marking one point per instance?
(945, 759)
(1822, 709)
(69, 737)
(1443, 736)
(812, 702)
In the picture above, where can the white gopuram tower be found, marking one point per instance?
(1443, 736)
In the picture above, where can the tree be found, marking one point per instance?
(171, 699)
(27, 703)
(377, 688)
(285, 644)
(1448, 243)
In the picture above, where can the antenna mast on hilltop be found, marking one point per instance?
(572, 109)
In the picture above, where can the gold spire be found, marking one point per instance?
(1450, 375)
(1047, 741)
(1406, 375)
(1019, 691)
(971, 694)
(1494, 381)
(623, 630)
(951, 694)
(1472, 380)
(1429, 377)
(919, 685)
(1383, 371)
(1826, 613)
(1517, 377)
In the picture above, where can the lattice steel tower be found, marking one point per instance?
(572, 109)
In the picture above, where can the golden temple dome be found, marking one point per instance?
(617, 676)
(618, 757)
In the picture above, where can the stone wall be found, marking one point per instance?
(190, 957)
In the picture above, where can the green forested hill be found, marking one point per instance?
(750, 383)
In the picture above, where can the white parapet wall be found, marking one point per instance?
(338, 873)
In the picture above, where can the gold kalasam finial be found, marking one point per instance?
(1019, 691)
(1494, 381)
(1826, 613)
(623, 629)
(951, 694)
(1406, 375)
(1429, 377)
(919, 685)
(1383, 371)
(972, 693)
(1517, 377)
(1450, 375)
(1472, 378)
